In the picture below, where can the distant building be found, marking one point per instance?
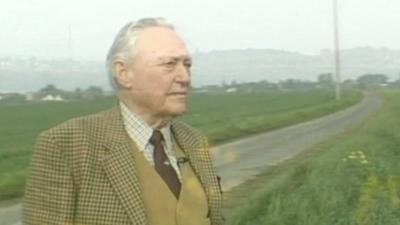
(384, 84)
(231, 90)
(56, 98)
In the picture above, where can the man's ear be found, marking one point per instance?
(122, 74)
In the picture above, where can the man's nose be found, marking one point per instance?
(183, 74)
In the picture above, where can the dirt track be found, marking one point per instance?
(240, 160)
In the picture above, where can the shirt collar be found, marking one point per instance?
(140, 131)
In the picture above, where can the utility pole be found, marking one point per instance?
(70, 42)
(337, 49)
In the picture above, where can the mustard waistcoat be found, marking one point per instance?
(162, 208)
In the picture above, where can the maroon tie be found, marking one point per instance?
(162, 164)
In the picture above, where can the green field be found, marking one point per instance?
(353, 179)
(221, 117)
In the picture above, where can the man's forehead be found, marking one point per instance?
(159, 37)
(159, 42)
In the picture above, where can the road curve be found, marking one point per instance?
(240, 160)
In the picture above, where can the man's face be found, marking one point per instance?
(160, 73)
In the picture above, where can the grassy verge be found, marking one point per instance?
(221, 117)
(351, 180)
(227, 117)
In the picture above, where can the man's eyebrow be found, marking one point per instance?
(175, 58)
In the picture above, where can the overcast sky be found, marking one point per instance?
(41, 27)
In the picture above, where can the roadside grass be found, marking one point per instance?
(353, 179)
(226, 117)
(221, 117)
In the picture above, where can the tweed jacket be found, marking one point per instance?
(83, 173)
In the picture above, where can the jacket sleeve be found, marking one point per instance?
(49, 192)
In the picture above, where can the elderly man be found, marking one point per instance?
(133, 164)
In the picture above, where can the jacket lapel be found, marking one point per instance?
(193, 145)
(192, 149)
(120, 169)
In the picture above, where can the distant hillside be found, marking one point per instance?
(212, 67)
(274, 65)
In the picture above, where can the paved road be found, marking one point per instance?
(10, 215)
(240, 160)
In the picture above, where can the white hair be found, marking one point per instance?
(124, 43)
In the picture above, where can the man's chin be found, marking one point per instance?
(177, 111)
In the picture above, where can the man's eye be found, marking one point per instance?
(188, 64)
(170, 63)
